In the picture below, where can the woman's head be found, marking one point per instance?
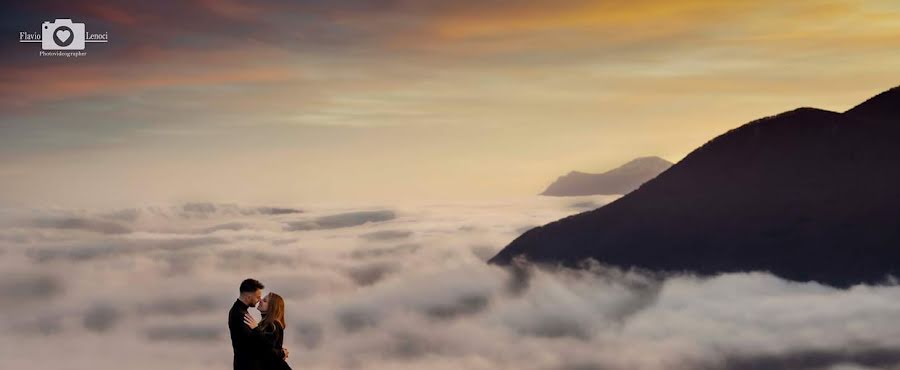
(272, 306)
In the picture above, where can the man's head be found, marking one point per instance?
(251, 292)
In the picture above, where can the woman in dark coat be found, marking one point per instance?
(272, 329)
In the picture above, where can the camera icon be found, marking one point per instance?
(62, 34)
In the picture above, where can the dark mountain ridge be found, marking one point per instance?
(807, 195)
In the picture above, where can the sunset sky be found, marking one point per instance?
(336, 100)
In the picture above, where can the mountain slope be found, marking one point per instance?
(620, 180)
(807, 195)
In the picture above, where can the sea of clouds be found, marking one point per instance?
(398, 287)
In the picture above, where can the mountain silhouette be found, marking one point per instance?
(620, 180)
(808, 195)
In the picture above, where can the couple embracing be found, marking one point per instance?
(257, 346)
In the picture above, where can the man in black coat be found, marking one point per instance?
(245, 341)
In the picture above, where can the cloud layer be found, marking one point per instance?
(407, 292)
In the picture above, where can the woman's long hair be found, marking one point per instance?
(274, 314)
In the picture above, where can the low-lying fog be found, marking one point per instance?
(397, 287)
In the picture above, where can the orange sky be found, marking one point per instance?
(303, 101)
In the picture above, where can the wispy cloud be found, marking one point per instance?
(340, 80)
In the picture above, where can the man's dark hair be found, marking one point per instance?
(251, 286)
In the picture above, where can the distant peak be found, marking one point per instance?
(652, 161)
(884, 106)
(648, 159)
